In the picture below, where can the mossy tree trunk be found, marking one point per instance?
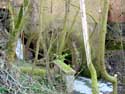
(17, 26)
(101, 53)
(11, 47)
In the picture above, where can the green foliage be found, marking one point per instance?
(3, 90)
(64, 67)
(112, 45)
(36, 87)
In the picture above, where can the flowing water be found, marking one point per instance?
(82, 85)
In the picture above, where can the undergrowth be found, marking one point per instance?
(16, 82)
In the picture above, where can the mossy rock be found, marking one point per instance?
(64, 67)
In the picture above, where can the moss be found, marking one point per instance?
(101, 54)
(34, 71)
(64, 67)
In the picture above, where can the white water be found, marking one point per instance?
(19, 49)
(83, 86)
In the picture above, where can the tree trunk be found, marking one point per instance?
(101, 47)
(91, 68)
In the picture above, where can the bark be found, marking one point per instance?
(95, 89)
(101, 54)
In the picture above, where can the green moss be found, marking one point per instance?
(34, 71)
(101, 54)
(64, 67)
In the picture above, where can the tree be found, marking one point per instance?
(90, 65)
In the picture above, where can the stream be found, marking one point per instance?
(82, 85)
